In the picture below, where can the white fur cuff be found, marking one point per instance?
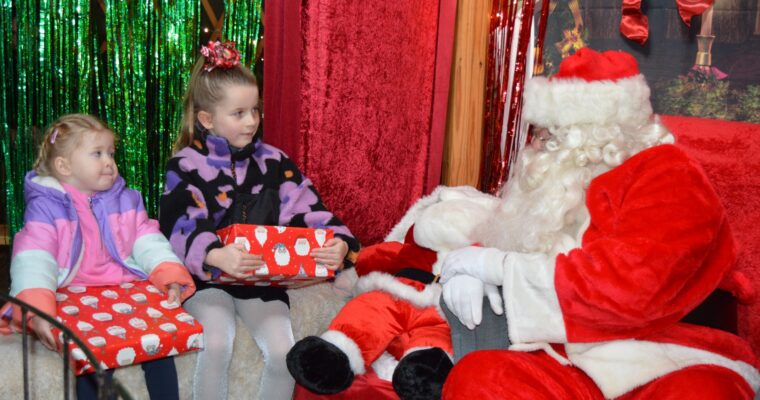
(530, 299)
(566, 102)
(349, 347)
(387, 283)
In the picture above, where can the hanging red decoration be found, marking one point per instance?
(494, 93)
(502, 94)
(635, 26)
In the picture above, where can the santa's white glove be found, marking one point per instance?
(484, 263)
(463, 295)
(494, 297)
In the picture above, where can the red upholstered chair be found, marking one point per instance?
(729, 152)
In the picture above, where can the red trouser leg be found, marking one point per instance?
(374, 319)
(499, 374)
(695, 383)
(427, 328)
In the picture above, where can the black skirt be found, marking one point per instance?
(265, 293)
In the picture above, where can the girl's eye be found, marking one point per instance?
(97, 153)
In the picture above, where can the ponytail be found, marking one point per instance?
(205, 90)
(187, 124)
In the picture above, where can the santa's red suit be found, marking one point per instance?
(602, 320)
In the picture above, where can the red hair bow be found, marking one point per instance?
(220, 54)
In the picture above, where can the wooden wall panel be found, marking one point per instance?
(464, 125)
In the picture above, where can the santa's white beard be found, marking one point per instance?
(542, 206)
(544, 203)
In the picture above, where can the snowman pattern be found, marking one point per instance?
(302, 246)
(262, 271)
(125, 356)
(90, 301)
(281, 255)
(321, 236)
(242, 240)
(261, 235)
(320, 270)
(125, 324)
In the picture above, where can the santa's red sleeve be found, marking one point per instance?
(657, 245)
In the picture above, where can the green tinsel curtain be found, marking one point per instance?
(151, 47)
(242, 26)
(7, 105)
(55, 64)
(46, 74)
(126, 24)
(173, 50)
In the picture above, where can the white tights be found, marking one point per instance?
(269, 325)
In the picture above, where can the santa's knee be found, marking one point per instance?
(503, 374)
(480, 374)
(697, 382)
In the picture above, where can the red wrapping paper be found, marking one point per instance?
(285, 251)
(125, 324)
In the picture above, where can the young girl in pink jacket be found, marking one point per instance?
(84, 227)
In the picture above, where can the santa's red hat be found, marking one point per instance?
(590, 88)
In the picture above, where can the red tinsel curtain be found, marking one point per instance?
(511, 49)
(356, 93)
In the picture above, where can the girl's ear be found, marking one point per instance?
(62, 166)
(204, 118)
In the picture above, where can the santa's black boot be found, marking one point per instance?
(319, 366)
(420, 374)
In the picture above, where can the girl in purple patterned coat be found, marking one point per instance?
(222, 173)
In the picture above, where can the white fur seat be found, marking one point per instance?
(312, 308)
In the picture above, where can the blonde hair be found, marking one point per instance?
(62, 137)
(206, 89)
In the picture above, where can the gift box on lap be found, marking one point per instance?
(284, 249)
(125, 324)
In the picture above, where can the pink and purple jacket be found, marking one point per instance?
(49, 249)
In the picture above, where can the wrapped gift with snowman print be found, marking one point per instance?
(285, 251)
(125, 324)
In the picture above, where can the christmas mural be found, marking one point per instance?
(706, 69)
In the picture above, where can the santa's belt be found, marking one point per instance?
(415, 274)
(717, 311)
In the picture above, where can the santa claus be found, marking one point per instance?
(608, 236)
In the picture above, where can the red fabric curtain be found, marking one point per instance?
(356, 92)
(282, 76)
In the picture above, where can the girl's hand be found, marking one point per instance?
(234, 260)
(174, 293)
(43, 330)
(332, 254)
